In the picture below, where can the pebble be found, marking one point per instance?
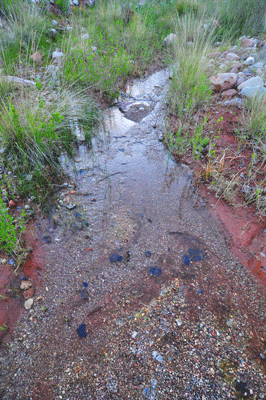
(28, 303)
(249, 61)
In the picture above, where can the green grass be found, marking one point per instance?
(190, 87)
(10, 230)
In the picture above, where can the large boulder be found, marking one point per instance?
(224, 81)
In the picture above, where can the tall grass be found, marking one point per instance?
(190, 86)
(34, 132)
(242, 17)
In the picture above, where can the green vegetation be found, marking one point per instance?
(10, 230)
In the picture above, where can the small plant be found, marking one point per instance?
(10, 232)
(198, 141)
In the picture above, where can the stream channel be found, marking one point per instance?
(130, 226)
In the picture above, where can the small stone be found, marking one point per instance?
(11, 203)
(249, 42)
(249, 61)
(57, 54)
(27, 294)
(53, 32)
(227, 94)
(134, 334)
(236, 102)
(215, 54)
(170, 39)
(54, 22)
(86, 36)
(29, 303)
(75, 2)
(36, 57)
(24, 285)
(232, 57)
(262, 255)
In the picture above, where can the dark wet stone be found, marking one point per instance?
(85, 284)
(186, 259)
(82, 331)
(155, 271)
(47, 239)
(11, 261)
(148, 253)
(115, 257)
(78, 215)
(241, 387)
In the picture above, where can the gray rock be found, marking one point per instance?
(232, 57)
(252, 92)
(236, 102)
(75, 2)
(252, 82)
(86, 36)
(54, 22)
(249, 61)
(29, 303)
(57, 54)
(19, 81)
(170, 39)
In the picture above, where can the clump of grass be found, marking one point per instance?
(254, 119)
(34, 132)
(190, 87)
(244, 17)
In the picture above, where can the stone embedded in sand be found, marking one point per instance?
(228, 94)
(232, 57)
(224, 81)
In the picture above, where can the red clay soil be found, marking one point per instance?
(245, 228)
(11, 297)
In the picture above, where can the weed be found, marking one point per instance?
(10, 231)
(198, 141)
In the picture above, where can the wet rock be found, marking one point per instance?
(249, 61)
(116, 257)
(223, 81)
(82, 331)
(227, 94)
(170, 39)
(28, 303)
(36, 57)
(252, 82)
(138, 110)
(232, 57)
